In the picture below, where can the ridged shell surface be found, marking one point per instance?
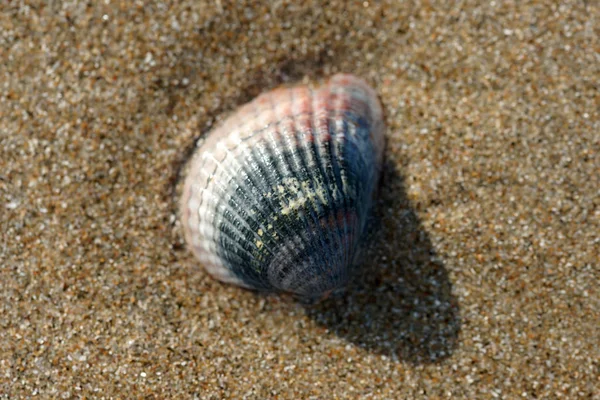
(278, 196)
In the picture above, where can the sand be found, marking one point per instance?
(480, 282)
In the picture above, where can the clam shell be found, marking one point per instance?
(278, 196)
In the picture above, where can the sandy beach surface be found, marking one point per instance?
(480, 282)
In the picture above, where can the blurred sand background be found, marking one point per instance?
(481, 283)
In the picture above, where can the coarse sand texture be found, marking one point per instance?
(480, 278)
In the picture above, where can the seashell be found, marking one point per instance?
(277, 198)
